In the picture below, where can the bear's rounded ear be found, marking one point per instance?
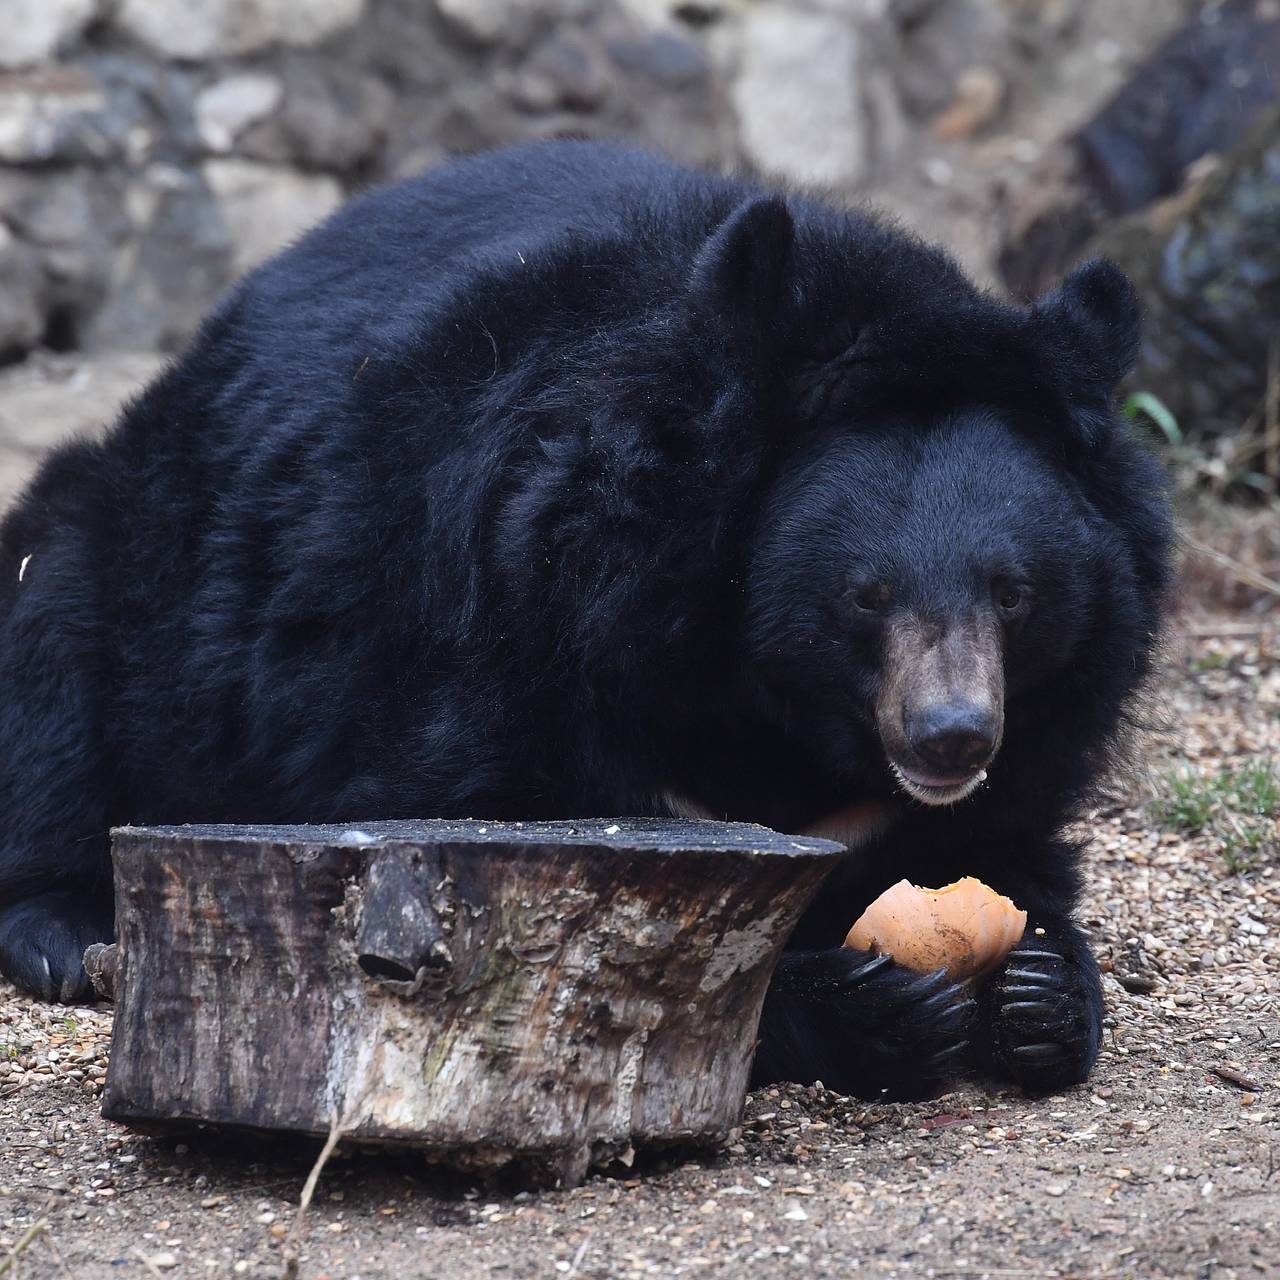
(742, 269)
(1093, 318)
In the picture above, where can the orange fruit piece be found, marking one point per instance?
(966, 928)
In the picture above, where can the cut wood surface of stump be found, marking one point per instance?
(554, 994)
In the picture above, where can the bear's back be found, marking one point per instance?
(395, 260)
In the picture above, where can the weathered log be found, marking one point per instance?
(1197, 95)
(1207, 266)
(554, 994)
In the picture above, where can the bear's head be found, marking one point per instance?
(959, 553)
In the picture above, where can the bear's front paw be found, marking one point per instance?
(42, 942)
(915, 1032)
(1042, 1016)
(862, 1025)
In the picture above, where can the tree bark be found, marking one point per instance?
(553, 994)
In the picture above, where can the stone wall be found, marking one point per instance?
(150, 150)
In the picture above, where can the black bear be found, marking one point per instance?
(563, 481)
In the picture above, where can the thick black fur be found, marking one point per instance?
(536, 487)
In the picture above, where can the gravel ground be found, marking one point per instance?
(1166, 1164)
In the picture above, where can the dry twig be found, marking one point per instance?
(146, 1262)
(25, 1241)
(1240, 572)
(1237, 1078)
(1271, 416)
(1209, 630)
(336, 1131)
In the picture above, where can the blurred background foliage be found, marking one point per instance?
(151, 150)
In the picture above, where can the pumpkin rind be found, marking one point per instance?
(966, 927)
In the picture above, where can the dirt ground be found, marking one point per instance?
(1166, 1164)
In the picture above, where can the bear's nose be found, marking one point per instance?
(953, 737)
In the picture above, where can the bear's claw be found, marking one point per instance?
(1042, 1016)
(865, 971)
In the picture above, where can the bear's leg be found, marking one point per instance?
(55, 870)
(55, 773)
(1040, 1015)
(862, 1025)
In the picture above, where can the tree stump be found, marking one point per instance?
(553, 994)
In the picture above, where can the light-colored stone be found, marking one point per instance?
(33, 31)
(484, 20)
(36, 110)
(226, 109)
(266, 207)
(193, 30)
(798, 99)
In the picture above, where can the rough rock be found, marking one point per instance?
(193, 32)
(226, 109)
(565, 70)
(797, 96)
(74, 221)
(21, 295)
(172, 261)
(266, 207)
(37, 30)
(940, 44)
(150, 111)
(333, 117)
(662, 56)
(485, 21)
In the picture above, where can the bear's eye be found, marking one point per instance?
(874, 597)
(1011, 597)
